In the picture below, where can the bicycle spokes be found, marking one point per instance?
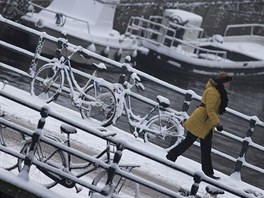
(99, 105)
(163, 131)
(47, 83)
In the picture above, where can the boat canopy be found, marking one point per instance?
(181, 16)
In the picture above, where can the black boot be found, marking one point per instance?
(213, 176)
(169, 157)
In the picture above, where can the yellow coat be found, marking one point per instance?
(203, 119)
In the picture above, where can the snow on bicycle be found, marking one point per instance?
(159, 125)
(94, 100)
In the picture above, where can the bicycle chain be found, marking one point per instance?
(34, 61)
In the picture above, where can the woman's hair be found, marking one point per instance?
(224, 99)
(219, 79)
(222, 77)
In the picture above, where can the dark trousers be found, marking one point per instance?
(206, 146)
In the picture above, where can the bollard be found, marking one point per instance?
(186, 103)
(108, 188)
(35, 138)
(245, 146)
(197, 179)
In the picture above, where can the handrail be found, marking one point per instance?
(63, 14)
(153, 103)
(75, 152)
(98, 133)
(243, 26)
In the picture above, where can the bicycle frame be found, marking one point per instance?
(65, 70)
(136, 121)
(94, 100)
(69, 165)
(161, 125)
(139, 123)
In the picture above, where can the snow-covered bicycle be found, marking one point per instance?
(66, 162)
(159, 125)
(94, 100)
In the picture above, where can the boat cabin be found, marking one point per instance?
(183, 22)
(171, 29)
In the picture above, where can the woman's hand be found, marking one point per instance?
(219, 127)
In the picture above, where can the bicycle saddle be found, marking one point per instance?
(100, 66)
(65, 128)
(214, 190)
(164, 102)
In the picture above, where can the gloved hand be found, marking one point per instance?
(219, 127)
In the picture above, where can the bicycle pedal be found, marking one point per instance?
(78, 188)
(102, 129)
(135, 133)
(55, 97)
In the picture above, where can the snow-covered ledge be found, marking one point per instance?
(18, 187)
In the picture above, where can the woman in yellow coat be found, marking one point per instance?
(203, 120)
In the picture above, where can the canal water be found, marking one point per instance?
(246, 95)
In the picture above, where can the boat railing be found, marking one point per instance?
(156, 19)
(245, 29)
(60, 18)
(158, 34)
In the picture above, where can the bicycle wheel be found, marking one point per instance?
(99, 103)
(47, 83)
(99, 180)
(44, 153)
(10, 139)
(169, 133)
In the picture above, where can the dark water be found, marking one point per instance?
(246, 95)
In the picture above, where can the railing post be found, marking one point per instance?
(108, 188)
(35, 138)
(186, 103)
(197, 179)
(245, 146)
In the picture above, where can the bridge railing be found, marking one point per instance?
(36, 135)
(46, 112)
(190, 98)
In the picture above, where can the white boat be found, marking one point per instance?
(175, 41)
(88, 23)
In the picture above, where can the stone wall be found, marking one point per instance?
(216, 14)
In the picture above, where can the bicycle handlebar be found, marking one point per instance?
(64, 44)
(136, 81)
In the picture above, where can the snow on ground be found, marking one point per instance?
(160, 173)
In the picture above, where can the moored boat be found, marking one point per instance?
(175, 41)
(88, 23)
